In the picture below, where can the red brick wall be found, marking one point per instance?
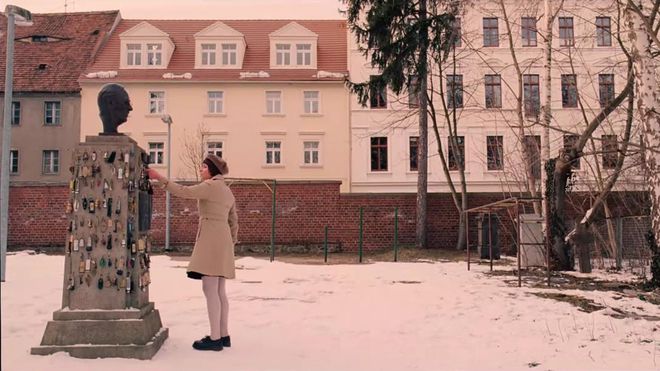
(37, 216)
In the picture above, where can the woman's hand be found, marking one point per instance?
(155, 175)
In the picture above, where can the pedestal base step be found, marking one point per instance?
(143, 352)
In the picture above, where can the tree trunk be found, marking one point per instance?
(422, 147)
(648, 107)
(562, 251)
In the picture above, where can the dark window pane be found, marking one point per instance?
(15, 113)
(494, 152)
(455, 158)
(610, 151)
(603, 31)
(493, 91)
(413, 144)
(379, 154)
(566, 35)
(568, 91)
(491, 32)
(606, 89)
(455, 91)
(378, 93)
(532, 97)
(528, 30)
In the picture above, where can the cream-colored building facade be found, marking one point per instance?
(584, 49)
(268, 96)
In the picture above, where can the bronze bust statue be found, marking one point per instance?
(114, 106)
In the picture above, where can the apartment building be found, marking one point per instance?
(266, 95)
(482, 86)
(49, 56)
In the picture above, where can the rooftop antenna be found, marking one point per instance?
(65, 6)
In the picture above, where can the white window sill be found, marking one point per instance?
(311, 166)
(273, 115)
(311, 115)
(273, 166)
(379, 173)
(215, 115)
(155, 115)
(493, 172)
(158, 166)
(51, 125)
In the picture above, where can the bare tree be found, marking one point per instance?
(193, 143)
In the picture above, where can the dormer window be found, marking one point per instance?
(283, 54)
(229, 54)
(154, 54)
(293, 46)
(144, 47)
(303, 54)
(134, 54)
(219, 46)
(208, 54)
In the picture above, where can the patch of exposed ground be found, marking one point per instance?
(539, 279)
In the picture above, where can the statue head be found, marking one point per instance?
(114, 106)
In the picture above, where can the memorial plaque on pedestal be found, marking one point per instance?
(106, 270)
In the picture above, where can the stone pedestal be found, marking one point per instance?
(105, 302)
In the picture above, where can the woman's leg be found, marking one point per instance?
(224, 307)
(210, 285)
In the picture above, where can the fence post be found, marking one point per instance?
(272, 226)
(396, 234)
(325, 245)
(619, 243)
(360, 241)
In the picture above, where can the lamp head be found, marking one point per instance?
(166, 118)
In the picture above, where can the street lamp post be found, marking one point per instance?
(168, 120)
(21, 17)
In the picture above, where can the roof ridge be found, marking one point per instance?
(237, 20)
(100, 12)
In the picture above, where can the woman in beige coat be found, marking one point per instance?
(213, 255)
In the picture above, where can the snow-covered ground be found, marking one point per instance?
(381, 316)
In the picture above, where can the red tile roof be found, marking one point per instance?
(332, 51)
(81, 35)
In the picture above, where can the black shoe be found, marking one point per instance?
(207, 344)
(226, 341)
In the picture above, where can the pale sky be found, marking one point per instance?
(193, 9)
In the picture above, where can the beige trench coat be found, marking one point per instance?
(213, 254)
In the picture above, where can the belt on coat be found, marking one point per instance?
(212, 219)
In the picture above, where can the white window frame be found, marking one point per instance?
(274, 150)
(229, 54)
(309, 151)
(216, 102)
(156, 102)
(154, 149)
(154, 54)
(214, 146)
(273, 102)
(311, 105)
(133, 54)
(282, 54)
(304, 54)
(55, 110)
(209, 54)
(14, 156)
(50, 164)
